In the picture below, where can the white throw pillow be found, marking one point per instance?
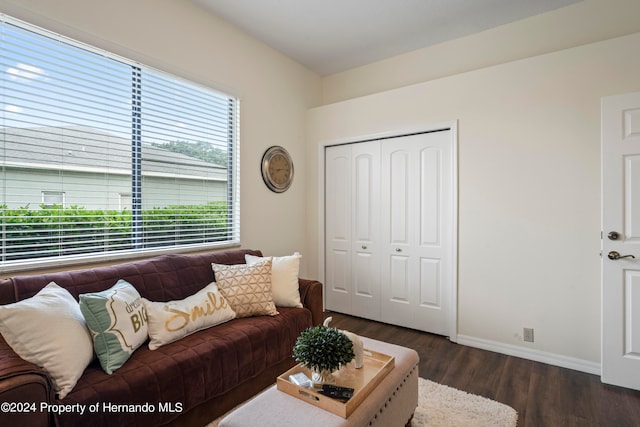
(117, 320)
(49, 331)
(170, 321)
(284, 278)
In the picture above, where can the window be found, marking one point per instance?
(52, 198)
(102, 156)
(125, 201)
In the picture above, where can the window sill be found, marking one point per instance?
(60, 264)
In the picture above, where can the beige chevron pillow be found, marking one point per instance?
(247, 288)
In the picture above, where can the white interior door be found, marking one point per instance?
(417, 265)
(621, 240)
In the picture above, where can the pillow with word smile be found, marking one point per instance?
(172, 320)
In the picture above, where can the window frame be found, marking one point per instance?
(233, 173)
(60, 195)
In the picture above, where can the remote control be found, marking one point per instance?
(336, 392)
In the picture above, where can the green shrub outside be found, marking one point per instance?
(53, 231)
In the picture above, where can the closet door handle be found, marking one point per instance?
(398, 250)
(364, 246)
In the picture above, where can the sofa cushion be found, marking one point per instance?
(172, 320)
(118, 323)
(49, 331)
(192, 370)
(247, 287)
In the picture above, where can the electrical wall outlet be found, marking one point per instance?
(527, 333)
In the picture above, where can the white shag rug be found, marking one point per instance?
(443, 406)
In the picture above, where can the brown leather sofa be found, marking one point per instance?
(189, 382)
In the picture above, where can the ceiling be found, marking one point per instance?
(330, 36)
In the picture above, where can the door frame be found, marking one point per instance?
(432, 127)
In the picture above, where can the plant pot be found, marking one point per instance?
(322, 377)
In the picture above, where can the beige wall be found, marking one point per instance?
(529, 186)
(181, 38)
(584, 22)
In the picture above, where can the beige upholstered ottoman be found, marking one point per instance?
(390, 404)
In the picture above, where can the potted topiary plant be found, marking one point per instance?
(323, 350)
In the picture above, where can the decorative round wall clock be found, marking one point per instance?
(277, 169)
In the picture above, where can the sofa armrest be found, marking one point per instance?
(311, 298)
(22, 383)
(24, 393)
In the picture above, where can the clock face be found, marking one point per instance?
(277, 169)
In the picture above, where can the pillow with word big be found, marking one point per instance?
(118, 323)
(170, 321)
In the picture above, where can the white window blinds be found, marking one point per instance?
(145, 161)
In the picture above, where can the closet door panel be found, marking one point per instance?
(430, 195)
(399, 196)
(363, 196)
(430, 283)
(434, 250)
(338, 286)
(362, 268)
(416, 191)
(366, 229)
(399, 283)
(338, 198)
(398, 277)
(338, 279)
(397, 295)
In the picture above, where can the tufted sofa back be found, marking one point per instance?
(162, 278)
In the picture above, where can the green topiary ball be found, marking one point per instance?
(323, 348)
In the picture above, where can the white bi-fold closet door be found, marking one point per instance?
(389, 230)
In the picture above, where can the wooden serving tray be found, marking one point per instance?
(363, 380)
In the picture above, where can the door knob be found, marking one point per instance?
(613, 235)
(616, 255)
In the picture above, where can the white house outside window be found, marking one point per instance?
(143, 161)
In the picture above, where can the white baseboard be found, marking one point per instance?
(531, 354)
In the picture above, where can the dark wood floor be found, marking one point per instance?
(544, 395)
